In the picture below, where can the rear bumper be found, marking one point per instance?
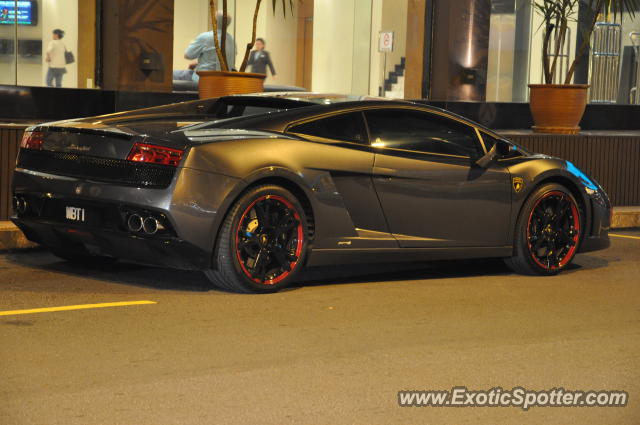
(156, 251)
(189, 208)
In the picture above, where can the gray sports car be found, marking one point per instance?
(251, 189)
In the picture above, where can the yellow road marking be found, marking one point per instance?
(74, 307)
(624, 236)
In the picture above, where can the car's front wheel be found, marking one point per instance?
(262, 243)
(548, 232)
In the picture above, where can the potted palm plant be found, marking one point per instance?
(228, 81)
(558, 108)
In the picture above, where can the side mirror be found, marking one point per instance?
(504, 148)
(499, 150)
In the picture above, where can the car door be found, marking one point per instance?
(345, 164)
(431, 191)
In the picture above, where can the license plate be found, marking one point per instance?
(75, 214)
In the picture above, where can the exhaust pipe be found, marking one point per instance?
(19, 204)
(150, 225)
(135, 223)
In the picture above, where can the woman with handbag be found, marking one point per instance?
(56, 58)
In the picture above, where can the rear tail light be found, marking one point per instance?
(142, 152)
(32, 140)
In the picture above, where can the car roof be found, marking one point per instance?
(336, 102)
(286, 107)
(313, 97)
(300, 105)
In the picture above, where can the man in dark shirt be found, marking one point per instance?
(260, 59)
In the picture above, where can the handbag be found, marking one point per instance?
(68, 57)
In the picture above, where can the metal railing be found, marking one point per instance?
(606, 45)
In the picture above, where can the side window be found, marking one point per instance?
(422, 132)
(348, 127)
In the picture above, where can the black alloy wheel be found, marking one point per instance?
(548, 232)
(262, 243)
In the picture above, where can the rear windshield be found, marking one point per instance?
(214, 109)
(227, 110)
(232, 107)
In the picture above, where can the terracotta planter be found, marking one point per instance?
(218, 83)
(557, 108)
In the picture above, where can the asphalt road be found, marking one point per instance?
(335, 350)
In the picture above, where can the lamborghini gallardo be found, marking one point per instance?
(252, 189)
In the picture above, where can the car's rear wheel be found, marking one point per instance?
(548, 232)
(262, 244)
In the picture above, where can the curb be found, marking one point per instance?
(625, 217)
(11, 237)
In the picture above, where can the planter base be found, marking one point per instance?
(556, 130)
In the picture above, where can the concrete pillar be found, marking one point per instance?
(137, 45)
(86, 56)
(460, 50)
(417, 62)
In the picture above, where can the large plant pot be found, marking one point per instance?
(557, 108)
(219, 83)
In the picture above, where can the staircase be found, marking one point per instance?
(394, 82)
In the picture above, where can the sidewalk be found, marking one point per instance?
(12, 238)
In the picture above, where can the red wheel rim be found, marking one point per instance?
(269, 239)
(553, 230)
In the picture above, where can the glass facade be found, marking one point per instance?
(324, 45)
(629, 91)
(509, 51)
(515, 53)
(26, 34)
(344, 46)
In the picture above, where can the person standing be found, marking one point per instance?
(203, 49)
(260, 59)
(56, 59)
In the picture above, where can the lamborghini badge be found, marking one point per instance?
(518, 184)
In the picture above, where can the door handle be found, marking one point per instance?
(385, 172)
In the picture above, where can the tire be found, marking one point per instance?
(255, 257)
(548, 232)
